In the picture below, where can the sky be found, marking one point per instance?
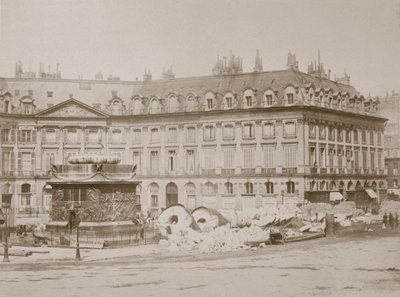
(122, 37)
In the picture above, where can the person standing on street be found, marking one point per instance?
(391, 220)
(385, 220)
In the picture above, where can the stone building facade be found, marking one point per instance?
(229, 140)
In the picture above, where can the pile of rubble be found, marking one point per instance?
(207, 230)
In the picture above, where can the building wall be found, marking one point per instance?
(269, 140)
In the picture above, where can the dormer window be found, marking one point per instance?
(173, 103)
(289, 95)
(229, 101)
(268, 100)
(290, 98)
(209, 101)
(190, 103)
(248, 98)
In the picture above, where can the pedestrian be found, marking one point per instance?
(140, 225)
(385, 220)
(391, 220)
(396, 220)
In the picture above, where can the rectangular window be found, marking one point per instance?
(372, 160)
(313, 157)
(190, 161)
(172, 136)
(229, 102)
(322, 157)
(248, 157)
(311, 130)
(7, 135)
(371, 138)
(154, 135)
(248, 130)
(364, 137)
(117, 136)
(268, 99)
(348, 136)
(209, 132)
(355, 136)
(249, 101)
(26, 163)
(331, 156)
(171, 161)
(364, 160)
(379, 138)
(322, 132)
(210, 103)
(191, 134)
(49, 159)
(290, 156)
(154, 200)
(137, 160)
(8, 163)
(289, 129)
(339, 134)
(93, 136)
(269, 157)
(379, 160)
(290, 98)
(356, 160)
(229, 132)
(269, 130)
(332, 133)
(154, 161)
(229, 157)
(137, 136)
(340, 158)
(26, 136)
(209, 158)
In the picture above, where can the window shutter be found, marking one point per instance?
(19, 162)
(34, 136)
(44, 136)
(109, 136)
(13, 135)
(19, 135)
(33, 159)
(12, 156)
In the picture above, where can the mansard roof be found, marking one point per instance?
(260, 81)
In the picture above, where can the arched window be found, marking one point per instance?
(313, 185)
(191, 103)
(155, 106)
(269, 187)
(137, 106)
(209, 188)
(248, 187)
(332, 185)
(349, 185)
(322, 185)
(228, 188)
(173, 103)
(190, 191)
(290, 188)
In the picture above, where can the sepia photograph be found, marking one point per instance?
(199, 148)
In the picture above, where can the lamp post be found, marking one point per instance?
(77, 221)
(6, 204)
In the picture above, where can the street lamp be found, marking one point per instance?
(6, 204)
(77, 222)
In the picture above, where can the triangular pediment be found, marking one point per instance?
(72, 108)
